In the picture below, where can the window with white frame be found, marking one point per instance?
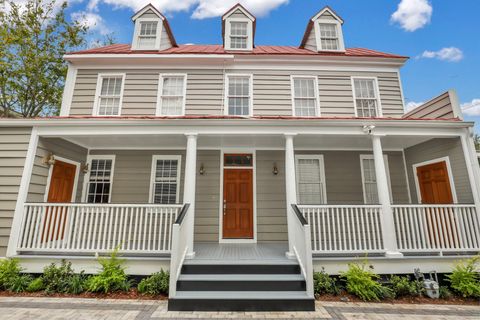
(366, 97)
(369, 178)
(147, 35)
(305, 97)
(238, 35)
(238, 95)
(165, 186)
(99, 185)
(109, 95)
(329, 36)
(310, 173)
(172, 95)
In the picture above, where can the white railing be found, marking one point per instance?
(344, 228)
(179, 249)
(437, 228)
(302, 247)
(97, 228)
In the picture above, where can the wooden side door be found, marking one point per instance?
(62, 182)
(238, 204)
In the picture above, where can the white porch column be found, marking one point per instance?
(472, 168)
(189, 188)
(291, 189)
(388, 227)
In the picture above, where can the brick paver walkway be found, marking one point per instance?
(13, 308)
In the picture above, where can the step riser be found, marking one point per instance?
(240, 269)
(241, 285)
(240, 305)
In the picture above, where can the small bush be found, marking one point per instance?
(444, 292)
(324, 284)
(58, 279)
(465, 278)
(20, 283)
(156, 284)
(9, 272)
(363, 283)
(403, 286)
(111, 278)
(36, 285)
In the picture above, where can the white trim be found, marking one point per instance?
(377, 94)
(387, 169)
(235, 8)
(457, 109)
(75, 183)
(226, 94)
(98, 90)
(68, 89)
(161, 79)
(318, 110)
(227, 34)
(449, 172)
(401, 91)
(86, 179)
(326, 9)
(157, 157)
(406, 175)
(338, 26)
(145, 9)
(136, 33)
(224, 151)
(321, 160)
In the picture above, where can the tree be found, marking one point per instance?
(33, 39)
(476, 139)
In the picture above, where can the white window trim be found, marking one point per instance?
(227, 35)
(377, 94)
(317, 93)
(338, 25)
(156, 157)
(160, 90)
(86, 179)
(450, 176)
(138, 29)
(387, 169)
(250, 91)
(98, 90)
(75, 182)
(320, 158)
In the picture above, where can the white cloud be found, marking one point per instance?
(471, 108)
(413, 14)
(201, 8)
(412, 105)
(450, 54)
(93, 21)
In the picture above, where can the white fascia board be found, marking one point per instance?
(132, 56)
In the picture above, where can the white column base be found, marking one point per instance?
(190, 255)
(393, 254)
(290, 255)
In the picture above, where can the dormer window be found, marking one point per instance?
(238, 35)
(328, 36)
(238, 29)
(148, 34)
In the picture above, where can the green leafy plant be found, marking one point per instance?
(444, 292)
(58, 279)
(111, 278)
(156, 284)
(20, 283)
(465, 278)
(404, 286)
(324, 284)
(364, 283)
(36, 285)
(11, 278)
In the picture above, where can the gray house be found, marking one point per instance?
(241, 168)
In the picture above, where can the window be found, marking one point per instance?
(99, 185)
(367, 103)
(109, 95)
(329, 36)
(172, 95)
(165, 185)
(310, 174)
(305, 96)
(238, 98)
(238, 35)
(369, 179)
(147, 36)
(238, 160)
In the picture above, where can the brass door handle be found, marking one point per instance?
(224, 206)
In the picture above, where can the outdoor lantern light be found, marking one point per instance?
(84, 168)
(275, 168)
(202, 169)
(49, 159)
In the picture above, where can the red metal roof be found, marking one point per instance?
(258, 50)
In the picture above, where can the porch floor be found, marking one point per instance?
(217, 253)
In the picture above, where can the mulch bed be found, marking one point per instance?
(133, 294)
(403, 300)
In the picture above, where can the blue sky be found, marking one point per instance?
(416, 28)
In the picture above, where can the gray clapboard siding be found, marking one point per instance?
(238, 14)
(13, 150)
(438, 107)
(438, 148)
(59, 147)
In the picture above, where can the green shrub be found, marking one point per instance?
(36, 285)
(444, 292)
(20, 283)
(363, 283)
(111, 278)
(403, 286)
(156, 284)
(58, 279)
(465, 278)
(324, 284)
(9, 272)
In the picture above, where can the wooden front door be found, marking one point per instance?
(62, 182)
(434, 183)
(238, 204)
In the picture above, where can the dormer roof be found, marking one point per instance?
(150, 9)
(239, 9)
(311, 22)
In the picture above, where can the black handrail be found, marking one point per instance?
(299, 214)
(182, 213)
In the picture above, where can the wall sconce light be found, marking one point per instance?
(49, 159)
(275, 168)
(202, 169)
(84, 168)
